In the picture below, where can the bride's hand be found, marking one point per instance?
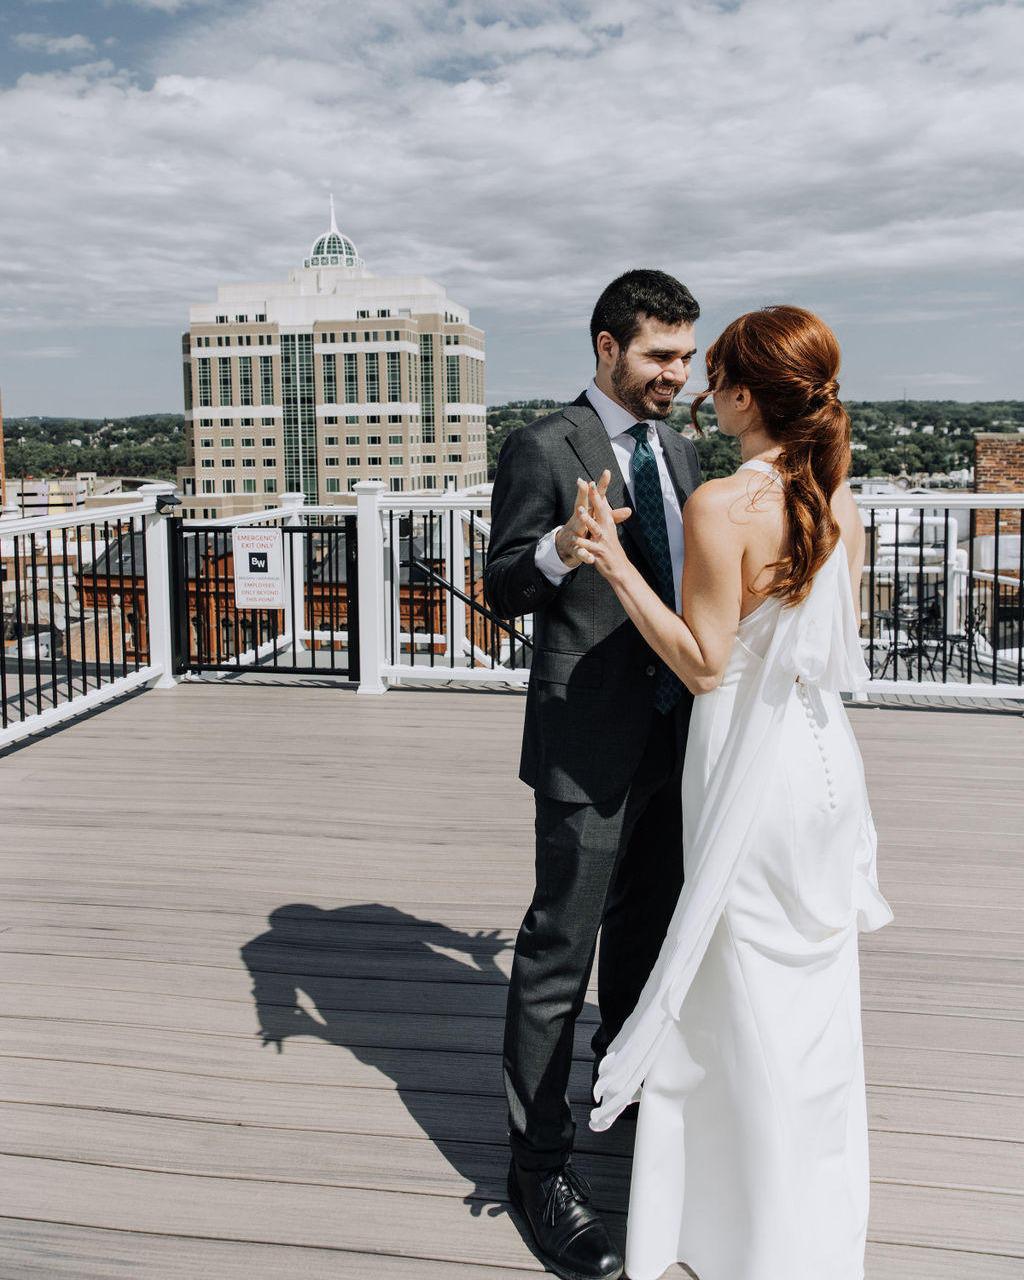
(600, 545)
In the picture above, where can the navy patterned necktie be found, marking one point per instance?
(650, 512)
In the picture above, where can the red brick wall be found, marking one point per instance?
(998, 468)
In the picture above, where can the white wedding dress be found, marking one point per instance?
(745, 1048)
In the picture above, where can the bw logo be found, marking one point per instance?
(258, 562)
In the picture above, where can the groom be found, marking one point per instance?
(604, 737)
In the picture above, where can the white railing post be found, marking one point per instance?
(158, 586)
(455, 572)
(295, 598)
(371, 586)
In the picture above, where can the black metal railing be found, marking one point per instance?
(75, 612)
(942, 597)
(315, 629)
(437, 615)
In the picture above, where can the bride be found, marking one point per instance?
(745, 1049)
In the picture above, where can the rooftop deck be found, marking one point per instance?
(149, 1133)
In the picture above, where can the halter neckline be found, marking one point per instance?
(758, 464)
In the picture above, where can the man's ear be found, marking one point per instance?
(607, 348)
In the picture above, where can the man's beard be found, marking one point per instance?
(635, 395)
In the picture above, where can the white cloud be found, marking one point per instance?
(56, 46)
(934, 381)
(45, 353)
(521, 153)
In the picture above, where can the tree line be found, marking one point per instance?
(889, 438)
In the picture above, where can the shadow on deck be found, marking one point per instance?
(256, 944)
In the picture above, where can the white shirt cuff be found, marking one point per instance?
(547, 559)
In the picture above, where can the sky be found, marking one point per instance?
(858, 157)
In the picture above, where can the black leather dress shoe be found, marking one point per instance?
(568, 1236)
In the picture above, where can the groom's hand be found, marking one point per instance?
(574, 526)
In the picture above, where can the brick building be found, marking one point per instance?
(998, 468)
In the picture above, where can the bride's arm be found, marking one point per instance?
(697, 645)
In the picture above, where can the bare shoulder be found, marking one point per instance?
(714, 511)
(711, 496)
(846, 511)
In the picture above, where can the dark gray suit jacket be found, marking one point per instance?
(590, 699)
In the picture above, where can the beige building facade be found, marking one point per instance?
(331, 377)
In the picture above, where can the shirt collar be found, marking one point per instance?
(615, 419)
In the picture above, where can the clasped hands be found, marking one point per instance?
(589, 536)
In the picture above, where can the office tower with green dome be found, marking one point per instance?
(332, 376)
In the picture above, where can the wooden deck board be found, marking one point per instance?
(147, 1133)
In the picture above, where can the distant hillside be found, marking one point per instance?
(152, 444)
(889, 437)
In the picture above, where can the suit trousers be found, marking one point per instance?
(616, 866)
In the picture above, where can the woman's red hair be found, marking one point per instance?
(789, 360)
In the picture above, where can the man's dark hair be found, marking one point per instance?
(637, 294)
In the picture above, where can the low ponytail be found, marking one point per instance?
(788, 359)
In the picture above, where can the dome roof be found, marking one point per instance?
(333, 249)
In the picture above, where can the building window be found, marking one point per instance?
(330, 461)
(299, 413)
(268, 442)
(397, 484)
(222, 320)
(351, 439)
(429, 457)
(330, 440)
(352, 484)
(208, 486)
(396, 440)
(224, 379)
(206, 443)
(373, 377)
(373, 417)
(226, 442)
(373, 462)
(394, 362)
(352, 461)
(330, 370)
(269, 485)
(248, 442)
(455, 457)
(209, 462)
(394, 417)
(266, 382)
(332, 484)
(245, 379)
(430, 482)
(248, 486)
(373, 439)
(270, 462)
(395, 460)
(426, 394)
(351, 378)
(227, 462)
(203, 372)
(248, 462)
(229, 486)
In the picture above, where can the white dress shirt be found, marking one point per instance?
(617, 422)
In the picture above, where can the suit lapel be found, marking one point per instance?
(676, 461)
(589, 441)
